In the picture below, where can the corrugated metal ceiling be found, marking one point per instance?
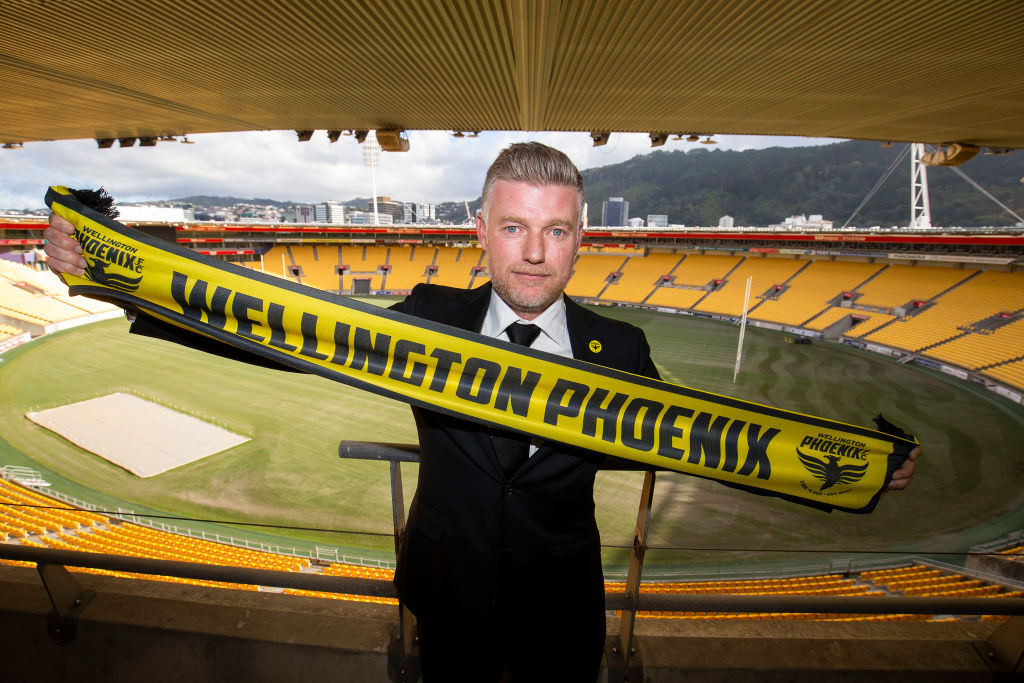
(912, 70)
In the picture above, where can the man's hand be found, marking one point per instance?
(62, 249)
(902, 477)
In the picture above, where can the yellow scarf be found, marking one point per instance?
(812, 459)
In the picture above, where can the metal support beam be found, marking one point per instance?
(68, 600)
(624, 663)
(1004, 649)
(403, 652)
(403, 655)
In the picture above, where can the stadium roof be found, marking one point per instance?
(915, 70)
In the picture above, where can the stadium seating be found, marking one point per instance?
(641, 275)
(278, 261)
(1011, 373)
(728, 299)
(977, 350)
(591, 273)
(987, 294)
(810, 292)
(408, 266)
(836, 313)
(898, 284)
(363, 262)
(455, 266)
(39, 298)
(32, 519)
(318, 263)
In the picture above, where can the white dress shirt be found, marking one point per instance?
(553, 337)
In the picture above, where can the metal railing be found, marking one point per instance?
(67, 597)
(619, 651)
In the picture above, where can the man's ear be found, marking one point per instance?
(481, 231)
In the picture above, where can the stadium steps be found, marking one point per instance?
(826, 309)
(610, 282)
(433, 262)
(655, 289)
(750, 311)
(725, 278)
(934, 298)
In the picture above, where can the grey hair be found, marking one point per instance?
(536, 164)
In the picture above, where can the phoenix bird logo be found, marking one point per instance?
(98, 273)
(830, 472)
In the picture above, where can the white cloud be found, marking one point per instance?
(273, 164)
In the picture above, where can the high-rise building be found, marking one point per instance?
(300, 213)
(426, 213)
(386, 206)
(725, 222)
(657, 220)
(614, 212)
(330, 212)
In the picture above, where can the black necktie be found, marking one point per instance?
(514, 449)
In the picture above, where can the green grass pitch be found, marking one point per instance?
(968, 487)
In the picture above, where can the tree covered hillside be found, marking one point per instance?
(760, 187)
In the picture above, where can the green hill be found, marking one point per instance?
(761, 187)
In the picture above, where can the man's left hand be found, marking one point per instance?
(902, 477)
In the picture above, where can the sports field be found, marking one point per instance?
(968, 487)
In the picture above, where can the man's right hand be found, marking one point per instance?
(64, 253)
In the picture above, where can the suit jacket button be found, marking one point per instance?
(508, 490)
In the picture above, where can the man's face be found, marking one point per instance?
(531, 234)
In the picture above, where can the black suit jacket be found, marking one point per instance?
(523, 549)
(526, 545)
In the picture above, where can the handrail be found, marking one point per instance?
(679, 602)
(619, 648)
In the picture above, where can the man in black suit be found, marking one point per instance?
(501, 562)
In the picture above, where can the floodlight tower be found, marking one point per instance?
(920, 210)
(371, 158)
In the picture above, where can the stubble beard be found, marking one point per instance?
(526, 299)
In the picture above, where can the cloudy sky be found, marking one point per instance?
(274, 165)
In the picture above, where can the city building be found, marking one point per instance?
(300, 213)
(614, 212)
(725, 222)
(386, 206)
(330, 212)
(657, 220)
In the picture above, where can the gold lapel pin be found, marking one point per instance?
(595, 346)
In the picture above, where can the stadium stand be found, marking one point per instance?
(40, 298)
(870, 322)
(701, 269)
(455, 266)
(409, 266)
(915, 580)
(811, 291)
(766, 273)
(32, 519)
(899, 284)
(363, 263)
(591, 274)
(318, 264)
(278, 261)
(641, 275)
(983, 348)
(949, 315)
(1011, 373)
